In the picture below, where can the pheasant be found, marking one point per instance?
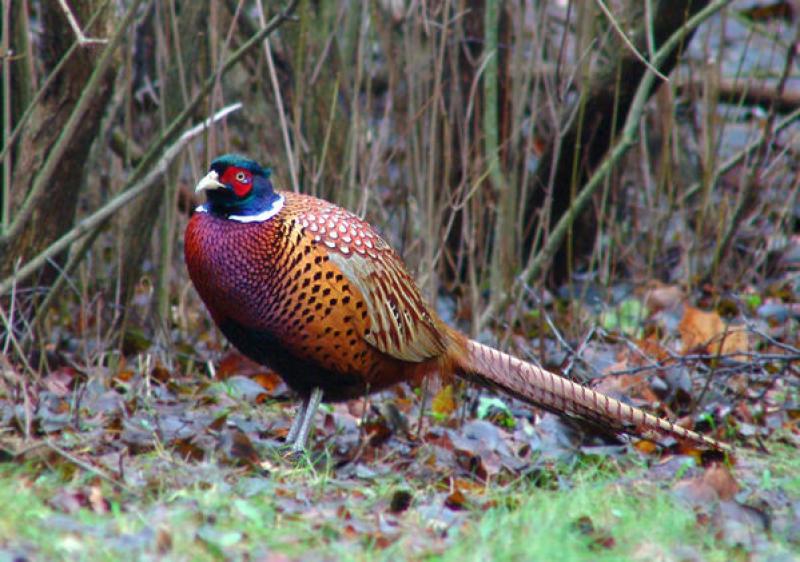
(312, 291)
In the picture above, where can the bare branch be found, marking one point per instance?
(86, 225)
(627, 41)
(76, 28)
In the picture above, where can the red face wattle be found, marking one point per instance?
(239, 179)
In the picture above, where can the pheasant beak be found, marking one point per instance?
(210, 181)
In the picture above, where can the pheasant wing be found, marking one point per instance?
(401, 324)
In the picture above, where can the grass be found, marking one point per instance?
(551, 525)
(588, 512)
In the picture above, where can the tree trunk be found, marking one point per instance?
(54, 210)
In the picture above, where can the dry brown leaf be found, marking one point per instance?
(163, 541)
(59, 382)
(652, 348)
(124, 372)
(698, 328)
(716, 483)
(600, 538)
(633, 385)
(707, 331)
(271, 382)
(659, 296)
(735, 341)
(646, 447)
(234, 363)
(721, 480)
(377, 431)
(456, 500)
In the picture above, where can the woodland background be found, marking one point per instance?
(608, 188)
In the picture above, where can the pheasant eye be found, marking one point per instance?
(240, 181)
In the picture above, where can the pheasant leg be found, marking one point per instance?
(301, 426)
(297, 421)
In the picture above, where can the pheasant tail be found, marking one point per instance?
(529, 383)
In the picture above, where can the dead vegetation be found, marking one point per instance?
(607, 188)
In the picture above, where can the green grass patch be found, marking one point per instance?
(597, 518)
(593, 511)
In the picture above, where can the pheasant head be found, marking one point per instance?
(239, 189)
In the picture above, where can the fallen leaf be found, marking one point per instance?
(651, 347)
(69, 501)
(377, 431)
(444, 404)
(659, 296)
(634, 386)
(270, 382)
(163, 541)
(646, 447)
(186, 449)
(716, 483)
(706, 331)
(60, 381)
(238, 448)
(718, 477)
(234, 363)
(456, 500)
(161, 374)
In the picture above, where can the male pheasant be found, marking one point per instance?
(312, 291)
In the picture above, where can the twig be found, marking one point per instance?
(73, 23)
(273, 78)
(153, 153)
(631, 46)
(6, 192)
(12, 339)
(752, 92)
(752, 181)
(76, 256)
(578, 352)
(574, 354)
(776, 343)
(211, 82)
(736, 159)
(15, 379)
(89, 468)
(86, 225)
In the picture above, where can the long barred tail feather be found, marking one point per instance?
(559, 394)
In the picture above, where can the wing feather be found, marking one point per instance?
(401, 323)
(388, 297)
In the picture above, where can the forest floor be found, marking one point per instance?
(598, 507)
(163, 443)
(178, 453)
